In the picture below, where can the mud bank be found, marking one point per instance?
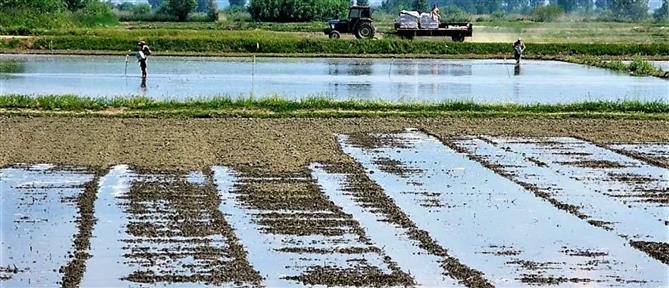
(284, 144)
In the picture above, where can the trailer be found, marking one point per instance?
(456, 30)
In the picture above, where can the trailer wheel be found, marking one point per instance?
(335, 34)
(458, 38)
(365, 31)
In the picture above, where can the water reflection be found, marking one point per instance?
(11, 66)
(142, 87)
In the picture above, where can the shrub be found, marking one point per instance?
(642, 67)
(141, 9)
(297, 10)
(181, 8)
(95, 14)
(548, 13)
(454, 14)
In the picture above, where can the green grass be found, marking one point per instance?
(167, 41)
(637, 67)
(316, 107)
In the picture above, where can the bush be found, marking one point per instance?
(23, 20)
(181, 8)
(548, 13)
(454, 14)
(141, 9)
(642, 67)
(95, 14)
(297, 10)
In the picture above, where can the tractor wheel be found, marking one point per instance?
(335, 34)
(365, 31)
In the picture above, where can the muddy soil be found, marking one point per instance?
(290, 206)
(276, 144)
(183, 218)
(370, 195)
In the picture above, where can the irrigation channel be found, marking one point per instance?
(395, 80)
(408, 209)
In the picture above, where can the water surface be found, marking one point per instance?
(402, 80)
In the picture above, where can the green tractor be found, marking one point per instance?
(359, 23)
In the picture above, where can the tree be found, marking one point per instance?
(568, 5)
(155, 3)
(421, 5)
(547, 13)
(466, 5)
(362, 2)
(662, 14)
(39, 6)
(141, 9)
(297, 10)
(630, 9)
(517, 5)
(74, 5)
(602, 4)
(181, 8)
(394, 6)
(487, 6)
(238, 3)
(212, 10)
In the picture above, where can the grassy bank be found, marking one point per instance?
(316, 107)
(278, 43)
(636, 67)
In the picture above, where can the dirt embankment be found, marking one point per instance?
(273, 144)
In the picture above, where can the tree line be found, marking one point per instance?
(619, 9)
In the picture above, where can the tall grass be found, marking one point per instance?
(278, 104)
(637, 67)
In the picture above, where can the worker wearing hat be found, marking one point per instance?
(518, 49)
(142, 54)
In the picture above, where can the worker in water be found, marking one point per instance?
(142, 55)
(435, 13)
(518, 49)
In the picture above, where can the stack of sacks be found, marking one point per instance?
(409, 19)
(428, 22)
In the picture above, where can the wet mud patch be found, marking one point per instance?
(626, 198)
(488, 221)
(372, 141)
(74, 271)
(297, 236)
(396, 167)
(163, 228)
(368, 203)
(590, 163)
(184, 237)
(42, 228)
(658, 250)
(652, 153)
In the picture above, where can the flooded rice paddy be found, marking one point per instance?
(397, 80)
(408, 209)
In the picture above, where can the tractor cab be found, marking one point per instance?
(359, 23)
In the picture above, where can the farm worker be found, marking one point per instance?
(435, 13)
(518, 49)
(142, 55)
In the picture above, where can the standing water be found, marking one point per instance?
(403, 80)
